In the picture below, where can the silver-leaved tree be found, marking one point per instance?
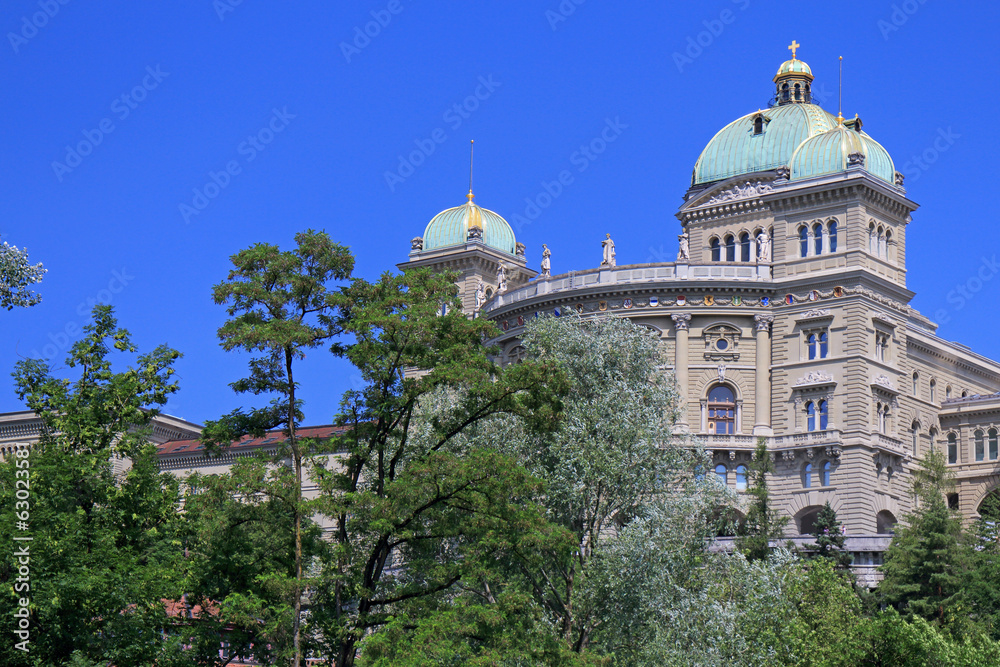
(16, 278)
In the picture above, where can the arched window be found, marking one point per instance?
(758, 124)
(723, 474)
(803, 241)
(807, 476)
(823, 417)
(741, 478)
(810, 416)
(824, 345)
(933, 388)
(881, 242)
(831, 235)
(813, 341)
(784, 93)
(952, 448)
(947, 393)
(730, 248)
(872, 239)
(915, 436)
(818, 239)
(716, 250)
(798, 92)
(965, 394)
(744, 247)
(888, 243)
(993, 444)
(721, 410)
(980, 446)
(824, 476)
(885, 523)
(916, 380)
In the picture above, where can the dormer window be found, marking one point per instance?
(758, 124)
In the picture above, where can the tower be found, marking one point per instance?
(475, 242)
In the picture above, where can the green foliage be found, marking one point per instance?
(280, 305)
(829, 538)
(983, 586)
(612, 456)
(419, 507)
(762, 524)
(16, 277)
(928, 559)
(104, 540)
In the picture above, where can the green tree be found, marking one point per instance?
(610, 462)
(417, 505)
(762, 524)
(984, 582)
(927, 561)
(280, 307)
(102, 519)
(16, 277)
(829, 538)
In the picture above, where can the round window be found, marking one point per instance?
(721, 344)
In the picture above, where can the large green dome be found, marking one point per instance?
(792, 133)
(451, 227)
(829, 153)
(736, 149)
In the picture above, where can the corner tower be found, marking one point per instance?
(475, 242)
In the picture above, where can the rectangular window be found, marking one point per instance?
(980, 448)
(952, 449)
(993, 445)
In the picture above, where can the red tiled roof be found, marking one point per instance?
(195, 447)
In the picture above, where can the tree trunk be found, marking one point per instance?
(297, 460)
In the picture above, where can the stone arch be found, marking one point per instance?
(984, 489)
(709, 379)
(884, 503)
(815, 497)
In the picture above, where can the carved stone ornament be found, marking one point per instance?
(784, 173)
(833, 452)
(809, 454)
(519, 249)
(884, 381)
(763, 322)
(899, 179)
(788, 455)
(856, 160)
(475, 234)
(681, 321)
(417, 243)
(732, 455)
(815, 313)
(722, 372)
(816, 377)
(741, 192)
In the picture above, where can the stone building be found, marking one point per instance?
(786, 316)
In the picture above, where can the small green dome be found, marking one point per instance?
(736, 149)
(451, 227)
(828, 153)
(793, 66)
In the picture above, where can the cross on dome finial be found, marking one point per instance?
(795, 45)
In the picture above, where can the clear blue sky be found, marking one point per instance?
(200, 77)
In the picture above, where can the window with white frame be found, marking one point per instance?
(817, 342)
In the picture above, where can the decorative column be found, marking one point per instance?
(681, 323)
(763, 380)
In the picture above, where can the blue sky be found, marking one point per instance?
(285, 116)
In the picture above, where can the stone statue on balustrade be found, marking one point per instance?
(608, 246)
